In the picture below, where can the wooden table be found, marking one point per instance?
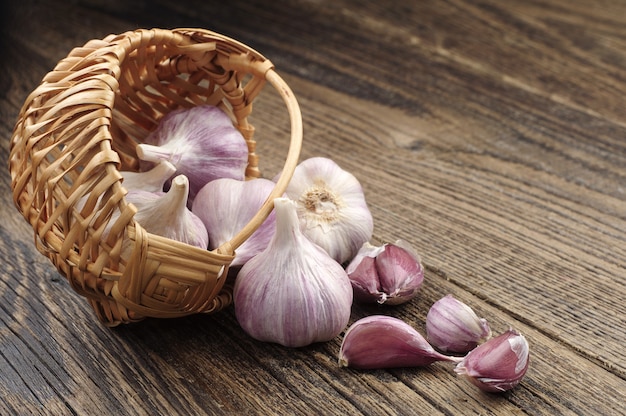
(491, 135)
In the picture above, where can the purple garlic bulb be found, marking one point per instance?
(292, 293)
(226, 205)
(201, 142)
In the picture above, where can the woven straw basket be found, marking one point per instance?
(78, 130)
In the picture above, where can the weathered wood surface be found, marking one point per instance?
(491, 135)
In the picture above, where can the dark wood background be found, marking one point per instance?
(489, 134)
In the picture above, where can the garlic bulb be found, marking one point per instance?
(293, 293)
(453, 326)
(331, 207)
(226, 205)
(152, 180)
(201, 142)
(167, 215)
(390, 273)
(497, 365)
(379, 341)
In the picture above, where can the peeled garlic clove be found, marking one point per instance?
(497, 365)
(391, 273)
(379, 341)
(226, 205)
(167, 215)
(331, 207)
(201, 142)
(152, 180)
(452, 326)
(293, 293)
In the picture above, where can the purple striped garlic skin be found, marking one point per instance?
(452, 326)
(389, 274)
(226, 205)
(201, 142)
(379, 341)
(292, 293)
(497, 365)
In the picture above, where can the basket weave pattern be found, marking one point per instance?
(79, 128)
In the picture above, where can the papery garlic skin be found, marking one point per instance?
(167, 215)
(497, 365)
(152, 180)
(226, 205)
(331, 207)
(293, 293)
(390, 273)
(201, 142)
(452, 326)
(378, 342)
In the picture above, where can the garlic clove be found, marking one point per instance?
(497, 365)
(292, 293)
(226, 205)
(364, 276)
(452, 326)
(152, 180)
(167, 215)
(379, 341)
(331, 207)
(201, 142)
(390, 273)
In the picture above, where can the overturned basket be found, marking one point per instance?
(79, 128)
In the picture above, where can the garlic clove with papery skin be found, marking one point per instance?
(331, 207)
(497, 365)
(226, 205)
(201, 142)
(452, 326)
(293, 293)
(378, 342)
(390, 273)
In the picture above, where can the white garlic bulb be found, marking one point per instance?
(293, 293)
(226, 205)
(151, 180)
(167, 215)
(331, 207)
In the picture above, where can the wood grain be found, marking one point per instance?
(488, 134)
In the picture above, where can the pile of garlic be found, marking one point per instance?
(305, 265)
(492, 364)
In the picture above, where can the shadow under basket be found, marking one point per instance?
(78, 129)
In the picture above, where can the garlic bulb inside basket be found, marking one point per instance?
(226, 205)
(201, 142)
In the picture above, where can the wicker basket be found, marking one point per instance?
(79, 128)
